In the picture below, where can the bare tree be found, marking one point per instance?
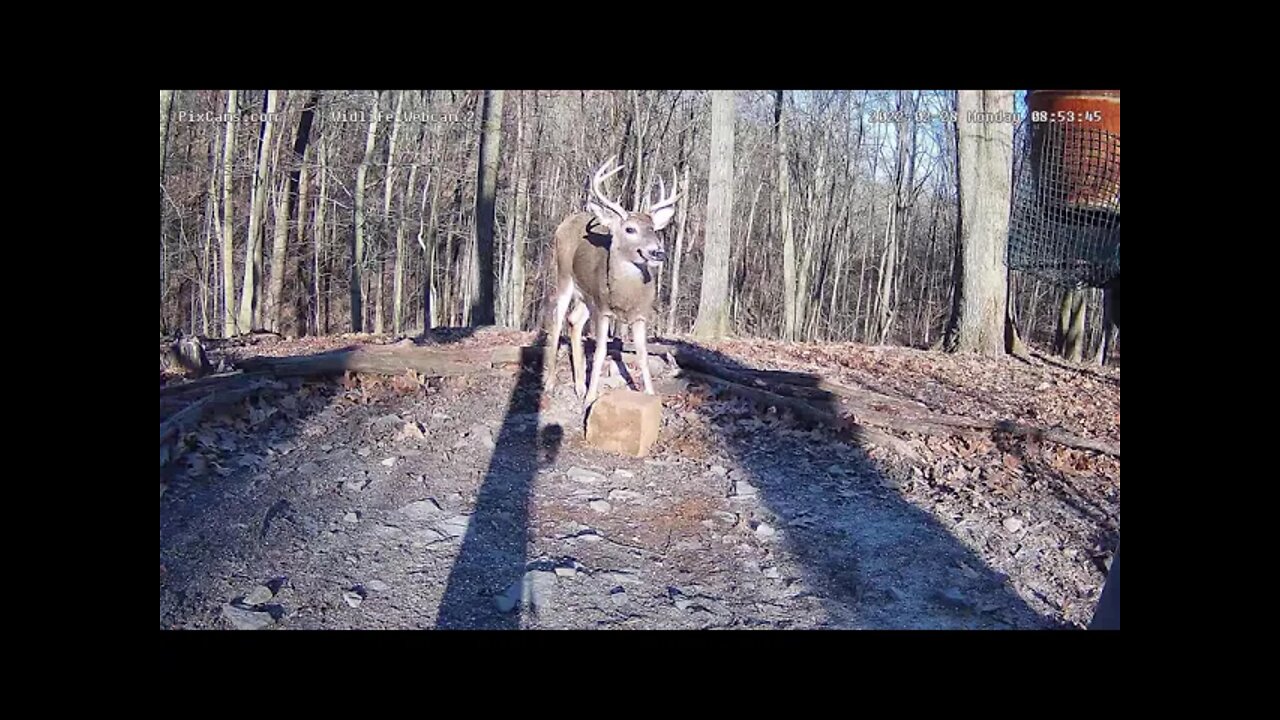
(514, 275)
(286, 205)
(784, 215)
(482, 312)
(1070, 336)
(713, 310)
(257, 208)
(357, 252)
(166, 109)
(229, 326)
(985, 183)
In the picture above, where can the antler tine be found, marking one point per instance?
(666, 200)
(599, 177)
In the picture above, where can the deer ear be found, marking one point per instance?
(663, 217)
(606, 216)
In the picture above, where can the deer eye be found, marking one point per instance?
(631, 231)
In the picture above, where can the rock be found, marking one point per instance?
(623, 473)
(351, 517)
(613, 382)
(308, 469)
(566, 572)
(352, 598)
(744, 490)
(507, 601)
(377, 586)
(623, 495)
(773, 573)
(534, 590)
(354, 485)
(454, 527)
(896, 594)
(765, 531)
(719, 470)
(258, 595)
(389, 462)
(683, 603)
(952, 597)
(1013, 525)
(583, 475)
(364, 452)
(625, 422)
(601, 506)
(657, 366)
(422, 510)
(728, 518)
(242, 619)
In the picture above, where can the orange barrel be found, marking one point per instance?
(1090, 161)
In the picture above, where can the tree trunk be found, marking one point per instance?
(673, 296)
(516, 275)
(357, 252)
(286, 205)
(208, 274)
(257, 209)
(985, 156)
(1108, 326)
(229, 326)
(297, 322)
(1070, 334)
(482, 312)
(406, 196)
(784, 211)
(321, 203)
(166, 111)
(712, 321)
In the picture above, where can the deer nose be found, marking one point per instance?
(658, 255)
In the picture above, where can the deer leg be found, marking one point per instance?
(552, 350)
(597, 365)
(577, 322)
(642, 354)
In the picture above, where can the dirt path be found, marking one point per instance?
(464, 506)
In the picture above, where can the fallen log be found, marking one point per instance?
(375, 359)
(197, 386)
(869, 408)
(807, 412)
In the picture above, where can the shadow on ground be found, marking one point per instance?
(874, 559)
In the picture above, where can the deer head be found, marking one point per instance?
(635, 233)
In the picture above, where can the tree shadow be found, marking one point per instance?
(872, 558)
(253, 510)
(486, 586)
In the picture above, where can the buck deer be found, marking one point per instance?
(605, 258)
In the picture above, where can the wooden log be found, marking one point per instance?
(807, 412)
(375, 359)
(869, 408)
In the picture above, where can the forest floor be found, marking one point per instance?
(465, 502)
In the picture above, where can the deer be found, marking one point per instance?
(605, 263)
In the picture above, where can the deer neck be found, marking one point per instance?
(623, 278)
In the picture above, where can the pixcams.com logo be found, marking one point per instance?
(208, 116)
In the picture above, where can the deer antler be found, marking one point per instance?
(664, 199)
(599, 177)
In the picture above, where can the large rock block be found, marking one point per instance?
(625, 422)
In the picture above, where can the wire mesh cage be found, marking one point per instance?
(1064, 224)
